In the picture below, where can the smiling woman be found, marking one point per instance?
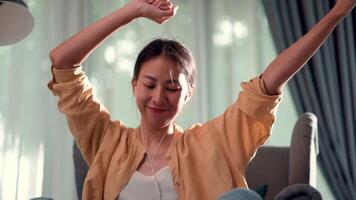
(198, 158)
(163, 81)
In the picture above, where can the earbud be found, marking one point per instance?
(186, 99)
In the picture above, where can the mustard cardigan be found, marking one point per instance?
(206, 160)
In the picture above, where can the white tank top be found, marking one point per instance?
(141, 186)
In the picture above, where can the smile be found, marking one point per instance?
(157, 110)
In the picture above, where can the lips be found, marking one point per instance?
(157, 109)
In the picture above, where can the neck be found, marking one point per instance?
(153, 135)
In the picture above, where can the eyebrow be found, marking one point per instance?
(167, 81)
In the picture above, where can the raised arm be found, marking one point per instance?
(76, 49)
(294, 58)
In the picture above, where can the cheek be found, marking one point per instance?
(178, 99)
(140, 95)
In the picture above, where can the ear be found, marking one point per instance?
(134, 84)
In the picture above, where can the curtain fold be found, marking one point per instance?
(326, 86)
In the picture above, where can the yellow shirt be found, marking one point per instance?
(206, 160)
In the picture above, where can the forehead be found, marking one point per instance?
(161, 68)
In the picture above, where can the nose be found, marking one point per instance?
(159, 95)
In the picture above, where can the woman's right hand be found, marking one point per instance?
(159, 11)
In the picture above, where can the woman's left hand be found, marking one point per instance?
(344, 6)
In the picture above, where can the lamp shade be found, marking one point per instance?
(16, 21)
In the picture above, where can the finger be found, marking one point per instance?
(163, 20)
(166, 18)
(171, 12)
(156, 2)
(175, 9)
(164, 4)
(159, 21)
(165, 7)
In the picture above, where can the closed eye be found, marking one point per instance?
(149, 86)
(174, 89)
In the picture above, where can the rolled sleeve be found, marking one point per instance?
(246, 124)
(87, 118)
(254, 101)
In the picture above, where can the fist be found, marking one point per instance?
(159, 11)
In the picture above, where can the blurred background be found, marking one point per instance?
(231, 42)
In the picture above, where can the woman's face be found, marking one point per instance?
(161, 91)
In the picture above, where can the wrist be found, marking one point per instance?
(340, 12)
(335, 16)
(134, 8)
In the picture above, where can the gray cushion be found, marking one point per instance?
(299, 192)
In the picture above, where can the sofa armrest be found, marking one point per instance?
(303, 151)
(299, 192)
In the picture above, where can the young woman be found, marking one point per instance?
(159, 160)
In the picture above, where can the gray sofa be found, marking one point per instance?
(280, 167)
